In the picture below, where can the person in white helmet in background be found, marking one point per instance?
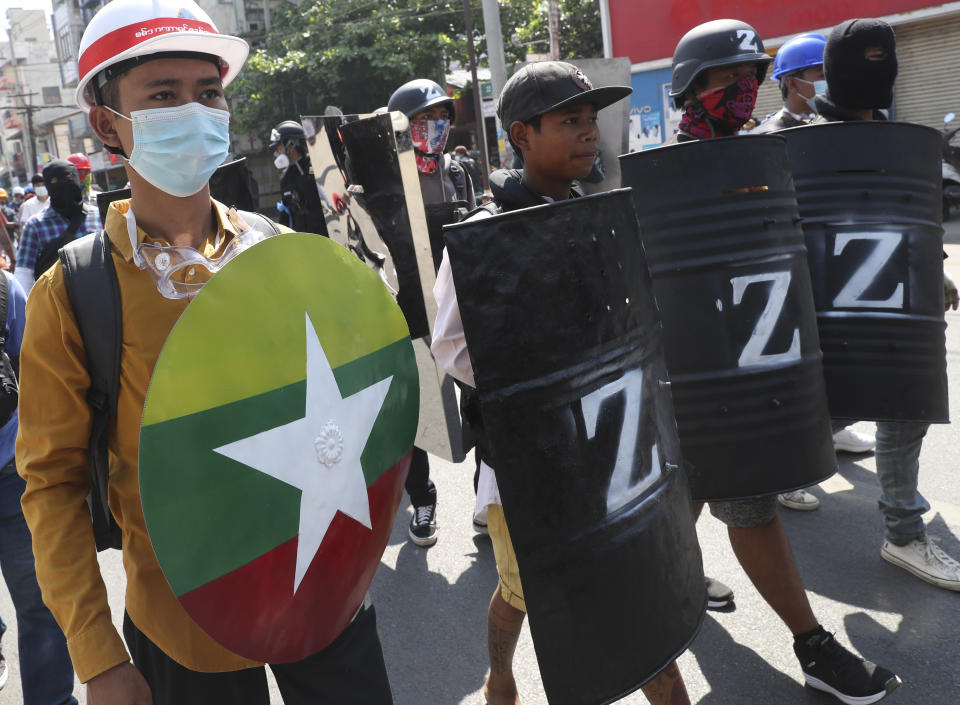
(152, 77)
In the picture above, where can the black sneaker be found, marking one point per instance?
(829, 667)
(423, 525)
(3, 670)
(719, 596)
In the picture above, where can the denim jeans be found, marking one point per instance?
(46, 674)
(898, 466)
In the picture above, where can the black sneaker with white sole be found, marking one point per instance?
(719, 596)
(3, 670)
(423, 525)
(830, 667)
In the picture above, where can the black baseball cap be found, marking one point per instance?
(544, 86)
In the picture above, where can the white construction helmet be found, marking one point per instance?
(128, 29)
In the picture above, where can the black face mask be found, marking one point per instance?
(63, 186)
(853, 80)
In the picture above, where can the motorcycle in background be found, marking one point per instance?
(950, 168)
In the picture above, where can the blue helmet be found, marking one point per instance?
(800, 52)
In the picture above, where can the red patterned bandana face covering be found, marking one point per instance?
(726, 108)
(429, 139)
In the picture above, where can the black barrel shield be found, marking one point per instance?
(720, 228)
(564, 339)
(369, 174)
(870, 197)
(230, 184)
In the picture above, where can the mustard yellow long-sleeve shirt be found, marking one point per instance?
(52, 458)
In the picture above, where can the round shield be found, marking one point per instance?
(274, 445)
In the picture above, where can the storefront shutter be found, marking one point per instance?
(928, 83)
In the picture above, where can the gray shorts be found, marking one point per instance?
(746, 513)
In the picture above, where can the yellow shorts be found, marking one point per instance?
(510, 587)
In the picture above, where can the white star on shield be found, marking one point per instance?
(319, 454)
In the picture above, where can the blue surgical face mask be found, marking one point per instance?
(178, 149)
(819, 88)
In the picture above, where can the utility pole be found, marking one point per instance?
(266, 15)
(477, 102)
(236, 19)
(553, 23)
(32, 164)
(498, 63)
(29, 150)
(605, 29)
(29, 153)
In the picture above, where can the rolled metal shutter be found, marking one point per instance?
(769, 99)
(928, 83)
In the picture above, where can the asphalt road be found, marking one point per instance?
(432, 602)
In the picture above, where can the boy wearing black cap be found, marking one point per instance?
(550, 111)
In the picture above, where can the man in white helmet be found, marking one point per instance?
(152, 77)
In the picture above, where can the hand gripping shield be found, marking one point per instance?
(869, 195)
(369, 173)
(722, 236)
(564, 340)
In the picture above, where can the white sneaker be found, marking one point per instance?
(849, 441)
(926, 560)
(801, 500)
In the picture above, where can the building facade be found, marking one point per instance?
(34, 122)
(928, 48)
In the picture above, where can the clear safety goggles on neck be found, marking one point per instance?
(169, 265)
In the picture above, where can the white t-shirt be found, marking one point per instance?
(449, 348)
(31, 208)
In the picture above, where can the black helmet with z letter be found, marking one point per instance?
(419, 94)
(711, 45)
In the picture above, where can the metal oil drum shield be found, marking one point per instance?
(230, 184)
(564, 340)
(720, 228)
(369, 173)
(870, 197)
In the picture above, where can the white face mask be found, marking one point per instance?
(41, 191)
(819, 88)
(281, 161)
(178, 149)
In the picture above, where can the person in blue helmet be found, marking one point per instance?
(799, 69)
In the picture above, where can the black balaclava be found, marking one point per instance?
(853, 80)
(63, 185)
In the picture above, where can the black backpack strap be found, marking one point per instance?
(255, 219)
(459, 178)
(94, 292)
